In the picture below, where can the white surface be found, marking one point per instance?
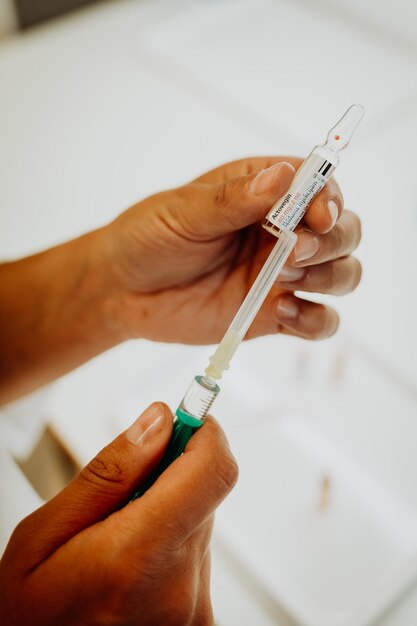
(394, 22)
(336, 567)
(306, 65)
(236, 594)
(353, 559)
(382, 313)
(111, 117)
(111, 104)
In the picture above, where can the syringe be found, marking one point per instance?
(281, 221)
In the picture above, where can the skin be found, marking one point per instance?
(87, 559)
(174, 267)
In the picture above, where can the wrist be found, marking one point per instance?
(101, 292)
(61, 307)
(131, 311)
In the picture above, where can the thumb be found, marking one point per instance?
(239, 202)
(104, 485)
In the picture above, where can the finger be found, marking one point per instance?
(342, 240)
(323, 212)
(325, 209)
(335, 277)
(235, 203)
(186, 494)
(104, 485)
(245, 167)
(305, 319)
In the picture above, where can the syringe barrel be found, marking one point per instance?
(309, 180)
(188, 418)
(220, 360)
(263, 283)
(198, 398)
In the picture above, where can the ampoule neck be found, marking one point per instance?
(326, 152)
(331, 143)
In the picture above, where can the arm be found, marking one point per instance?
(57, 310)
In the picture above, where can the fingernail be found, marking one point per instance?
(290, 274)
(148, 425)
(333, 212)
(307, 246)
(287, 309)
(265, 178)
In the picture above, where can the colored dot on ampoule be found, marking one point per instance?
(337, 137)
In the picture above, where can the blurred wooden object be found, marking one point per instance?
(8, 19)
(30, 12)
(50, 466)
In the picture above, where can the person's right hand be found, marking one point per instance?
(84, 558)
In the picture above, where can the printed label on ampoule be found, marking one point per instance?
(309, 180)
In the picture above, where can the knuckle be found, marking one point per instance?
(353, 229)
(149, 564)
(118, 584)
(224, 200)
(322, 324)
(182, 612)
(220, 196)
(330, 278)
(206, 617)
(326, 323)
(334, 190)
(23, 532)
(132, 587)
(356, 231)
(356, 274)
(341, 276)
(164, 535)
(335, 325)
(339, 240)
(227, 471)
(27, 530)
(330, 323)
(120, 577)
(106, 467)
(21, 529)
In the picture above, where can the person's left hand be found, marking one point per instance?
(183, 260)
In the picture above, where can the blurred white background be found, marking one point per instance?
(111, 103)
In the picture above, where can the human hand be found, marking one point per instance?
(187, 257)
(84, 558)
